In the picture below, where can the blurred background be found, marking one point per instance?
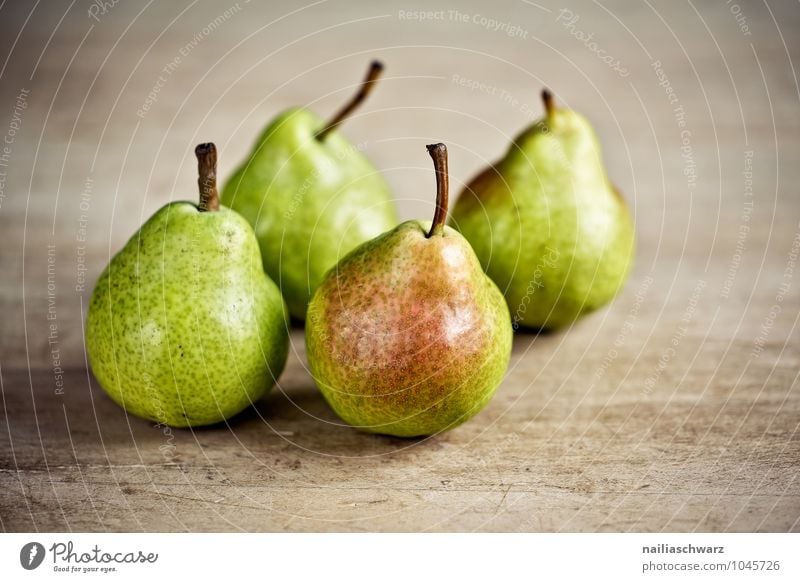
(696, 107)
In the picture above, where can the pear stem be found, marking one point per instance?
(375, 70)
(549, 101)
(438, 152)
(207, 177)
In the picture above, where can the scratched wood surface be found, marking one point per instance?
(675, 409)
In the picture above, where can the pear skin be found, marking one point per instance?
(184, 327)
(407, 336)
(547, 225)
(311, 197)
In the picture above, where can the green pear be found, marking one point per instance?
(184, 327)
(407, 336)
(547, 224)
(311, 197)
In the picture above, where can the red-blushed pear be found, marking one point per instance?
(407, 336)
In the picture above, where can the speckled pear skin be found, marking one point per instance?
(407, 336)
(184, 327)
(547, 225)
(309, 201)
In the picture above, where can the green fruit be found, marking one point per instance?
(407, 336)
(184, 327)
(311, 196)
(547, 224)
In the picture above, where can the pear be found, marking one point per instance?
(407, 336)
(311, 196)
(547, 224)
(184, 327)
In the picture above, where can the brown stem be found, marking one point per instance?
(207, 177)
(549, 101)
(438, 152)
(375, 70)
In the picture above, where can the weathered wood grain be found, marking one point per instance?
(675, 409)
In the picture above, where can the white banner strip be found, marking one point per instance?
(401, 557)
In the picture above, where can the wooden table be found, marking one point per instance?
(674, 409)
